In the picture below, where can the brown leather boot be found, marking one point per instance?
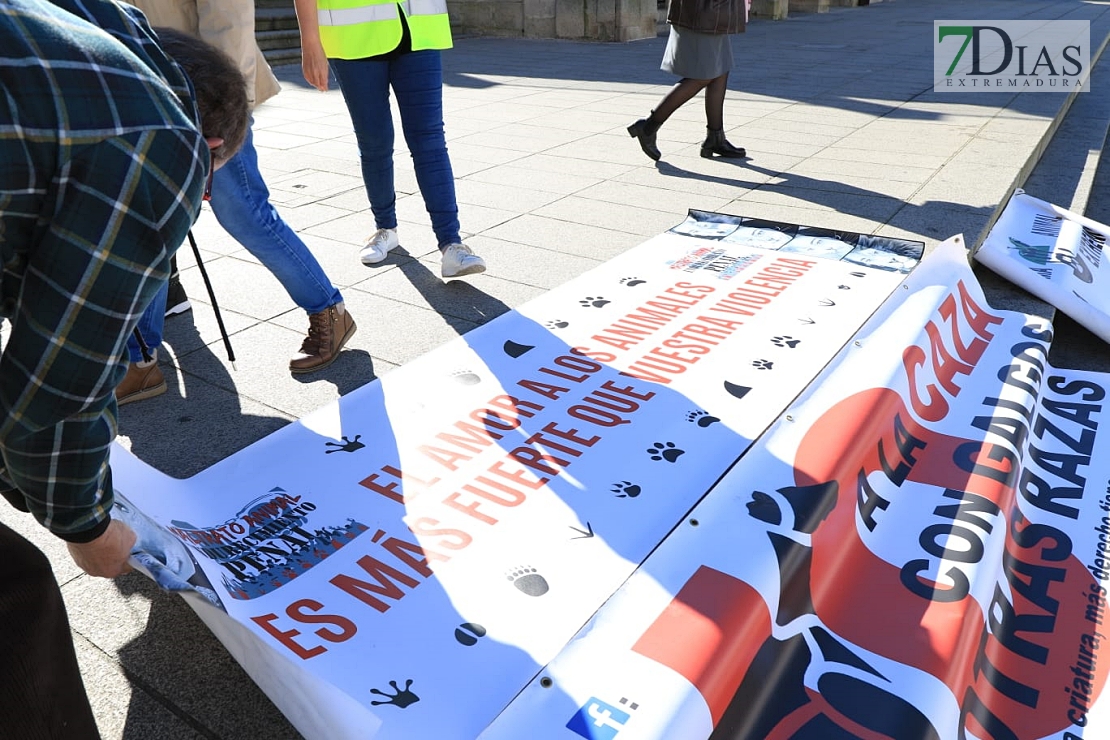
(143, 380)
(328, 331)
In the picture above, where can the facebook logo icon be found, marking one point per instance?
(596, 720)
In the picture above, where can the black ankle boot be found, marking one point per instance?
(716, 143)
(645, 130)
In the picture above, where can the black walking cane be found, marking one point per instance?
(212, 296)
(145, 350)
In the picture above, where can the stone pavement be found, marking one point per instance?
(842, 129)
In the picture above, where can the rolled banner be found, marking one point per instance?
(1054, 254)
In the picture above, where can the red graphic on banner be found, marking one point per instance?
(1011, 677)
(1024, 666)
(709, 633)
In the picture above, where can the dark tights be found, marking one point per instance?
(688, 88)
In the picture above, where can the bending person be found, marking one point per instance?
(105, 165)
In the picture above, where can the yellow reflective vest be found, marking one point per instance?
(355, 29)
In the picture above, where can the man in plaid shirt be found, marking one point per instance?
(102, 169)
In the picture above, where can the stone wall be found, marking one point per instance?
(487, 17)
(599, 20)
(602, 20)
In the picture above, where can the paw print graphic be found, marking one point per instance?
(626, 489)
(844, 287)
(528, 580)
(469, 633)
(557, 324)
(790, 342)
(665, 451)
(465, 377)
(632, 282)
(701, 418)
(763, 364)
(594, 301)
(399, 698)
(344, 445)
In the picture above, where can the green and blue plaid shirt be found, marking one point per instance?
(102, 168)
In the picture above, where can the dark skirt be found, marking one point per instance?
(696, 55)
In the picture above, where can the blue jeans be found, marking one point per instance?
(241, 202)
(150, 326)
(417, 81)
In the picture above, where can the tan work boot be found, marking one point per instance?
(143, 380)
(328, 331)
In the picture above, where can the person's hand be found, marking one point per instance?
(314, 66)
(106, 556)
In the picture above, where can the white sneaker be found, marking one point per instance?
(458, 260)
(378, 246)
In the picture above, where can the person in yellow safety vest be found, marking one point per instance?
(372, 46)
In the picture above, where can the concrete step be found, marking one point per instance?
(1081, 144)
(275, 19)
(275, 40)
(1072, 162)
(1072, 171)
(279, 57)
(275, 30)
(1097, 203)
(1061, 167)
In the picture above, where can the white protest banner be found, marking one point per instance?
(419, 549)
(1054, 254)
(916, 549)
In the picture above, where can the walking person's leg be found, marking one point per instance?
(144, 379)
(365, 88)
(715, 102)
(715, 141)
(241, 203)
(677, 97)
(646, 128)
(177, 301)
(417, 80)
(151, 327)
